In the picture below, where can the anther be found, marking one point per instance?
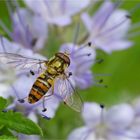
(21, 100)
(100, 61)
(102, 106)
(128, 16)
(44, 110)
(88, 54)
(70, 73)
(89, 43)
(101, 80)
(33, 42)
(32, 72)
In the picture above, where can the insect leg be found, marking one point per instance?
(22, 100)
(43, 103)
(67, 74)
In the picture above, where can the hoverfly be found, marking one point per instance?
(53, 69)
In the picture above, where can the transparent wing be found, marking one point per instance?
(69, 94)
(21, 62)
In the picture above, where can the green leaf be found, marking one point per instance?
(19, 123)
(3, 103)
(5, 131)
(7, 138)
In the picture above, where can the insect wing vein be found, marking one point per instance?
(20, 62)
(70, 95)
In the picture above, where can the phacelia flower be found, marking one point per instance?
(82, 58)
(28, 29)
(58, 12)
(112, 124)
(108, 27)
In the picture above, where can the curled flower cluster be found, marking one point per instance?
(107, 30)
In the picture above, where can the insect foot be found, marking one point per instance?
(21, 100)
(44, 110)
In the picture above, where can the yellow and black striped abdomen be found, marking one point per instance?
(41, 86)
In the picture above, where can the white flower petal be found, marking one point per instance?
(126, 135)
(83, 133)
(23, 86)
(4, 91)
(108, 28)
(115, 45)
(28, 137)
(136, 105)
(91, 114)
(33, 117)
(135, 128)
(57, 11)
(87, 21)
(51, 104)
(33, 26)
(119, 117)
(115, 19)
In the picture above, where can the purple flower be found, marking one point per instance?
(108, 27)
(58, 12)
(28, 29)
(112, 124)
(82, 58)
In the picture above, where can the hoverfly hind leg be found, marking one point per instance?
(43, 103)
(44, 110)
(21, 100)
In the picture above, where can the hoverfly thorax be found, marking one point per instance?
(58, 63)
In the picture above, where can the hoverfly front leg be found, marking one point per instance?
(67, 74)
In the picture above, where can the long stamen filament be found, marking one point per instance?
(5, 29)
(113, 27)
(2, 44)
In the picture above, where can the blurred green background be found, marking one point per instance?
(123, 81)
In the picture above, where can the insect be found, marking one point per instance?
(52, 69)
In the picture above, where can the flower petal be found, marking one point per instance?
(57, 12)
(83, 133)
(51, 104)
(32, 32)
(120, 116)
(91, 114)
(84, 80)
(33, 117)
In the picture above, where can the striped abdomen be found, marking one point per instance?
(42, 84)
